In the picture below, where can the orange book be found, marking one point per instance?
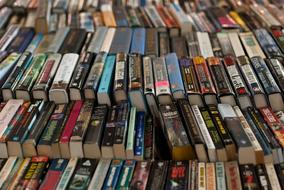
(108, 16)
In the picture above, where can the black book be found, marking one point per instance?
(248, 177)
(83, 174)
(178, 45)
(279, 168)
(152, 44)
(74, 41)
(121, 41)
(262, 177)
(158, 175)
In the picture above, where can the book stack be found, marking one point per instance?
(113, 89)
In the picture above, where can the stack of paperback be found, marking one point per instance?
(119, 86)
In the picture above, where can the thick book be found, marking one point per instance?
(175, 133)
(22, 40)
(8, 88)
(177, 177)
(29, 146)
(73, 42)
(43, 82)
(80, 129)
(262, 176)
(112, 177)
(162, 83)
(212, 129)
(58, 91)
(94, 134)
(221, 81)
(238, 82)
(105, 87)
(233, 123)
(109, 132)
(120, 86)
(152, 43)
(175, 77)
(178, 45)
(138, 41)
(24, 87)
(108, 16)
(256, 90)
(68, 129)
(158, 175)
(269, 84)
(93, 78)
(139, 148)
(100, 174)
(82, 174)
(121, 41)
(67, 174)
(190, 82)
(141, 175)
(135, 82)
(126, 174)
(205, 81)
(53, 174)
(192, 129)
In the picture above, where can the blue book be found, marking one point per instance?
(175, 78)
(139, 136)
(121, 41)
(106, 81)
(35, 43)
(138, 41)
(22, 40)
(113, 174)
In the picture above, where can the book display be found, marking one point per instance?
(141, 94)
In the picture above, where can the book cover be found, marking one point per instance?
(158, 175)
(112, 177)
(141, 175)
(22, 40)
(126, 174)
(177, 177)
(152, 45)
(139, 136)
(67, 174)
(138, 41)
(74, 41)
(97, 40)
(233, 175)
(121, 41)
(248, 177)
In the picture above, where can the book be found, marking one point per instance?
(120, 16)
(68, 129)
(175, 78)
(158, 175)
(58, 91)
(132, 16)
(29, 146)
(262, 176)
(249, 177)
(201, 175)
(155, 17)
(82, 174)
(190, 82)
(164, 43)
(12, 173)
(94, 132)
(53, 174)
(97, 40)
(139, 146)
(279, 171)
(269, 84)
(60, 6)
(80, 129)
(25, 85)
(277, 70)
(103, 94)
(162, 83)
(120, 78)
(233, 175)
(43, 16)
(135, 86)
(152, 44)
(204, 44)
(220, 175)
(74, 41)
(126, 174)
(205, 81)
(175, 133)
(235, 128)
(112, 177)
(8, 88)
(169, 20)
(67, 174)
(141, 175)
(44, 80)
(108, 16)
(6, 169)
(108, 40)
(211, 176)
(16, 179)
(272, 176)
(138, 41)
(9, 36)
(251, 45)
(121, 41)
(178, 45)
(99, 174)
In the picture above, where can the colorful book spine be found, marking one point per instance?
(7, 65)
(139, 136)
(67, 174)
(22, 40)
(177, 175)
(126, 174)
(112, 177)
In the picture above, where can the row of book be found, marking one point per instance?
(60, 174)
(182, 132)
(112, 65)
(177, 17)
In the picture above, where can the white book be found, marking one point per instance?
(8, 112)
(251, 45)
(108, 39)
(272, 176)
(204, 44)
(236, 44)
(97, 181)
(7, 168)
(58, 92)
(68, 172)
(205, 133)
(201, 183)
(8, 37)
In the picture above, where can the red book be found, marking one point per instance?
(166, 16)
(67, 132)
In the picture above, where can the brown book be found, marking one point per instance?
(43, 16)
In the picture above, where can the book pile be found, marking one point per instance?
(82, 173)
(142, 81)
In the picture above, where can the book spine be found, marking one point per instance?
(97, 40)
(74, 41)
(211, 176)
(126, 174)
(201, 178)
(204, 44)
(100, 174)
(22, 40)
(272, 176)
(139, 135)
(120, 77)
(158, 174)
(220, 175)
(135, 72)
(178, 172)
(148, 76)
(277, 69)
(262, 176)
(120, 17)
(251, 45)
(203, 75)
(121, 41)
(233, 175)
(112, 177)
(151, 48)
(67, 174)
(161, 76)
(8, 37)
(7, 64)
(141, 175)
(7, 168)
(248, 177)
(138, 41)
(20, 173)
